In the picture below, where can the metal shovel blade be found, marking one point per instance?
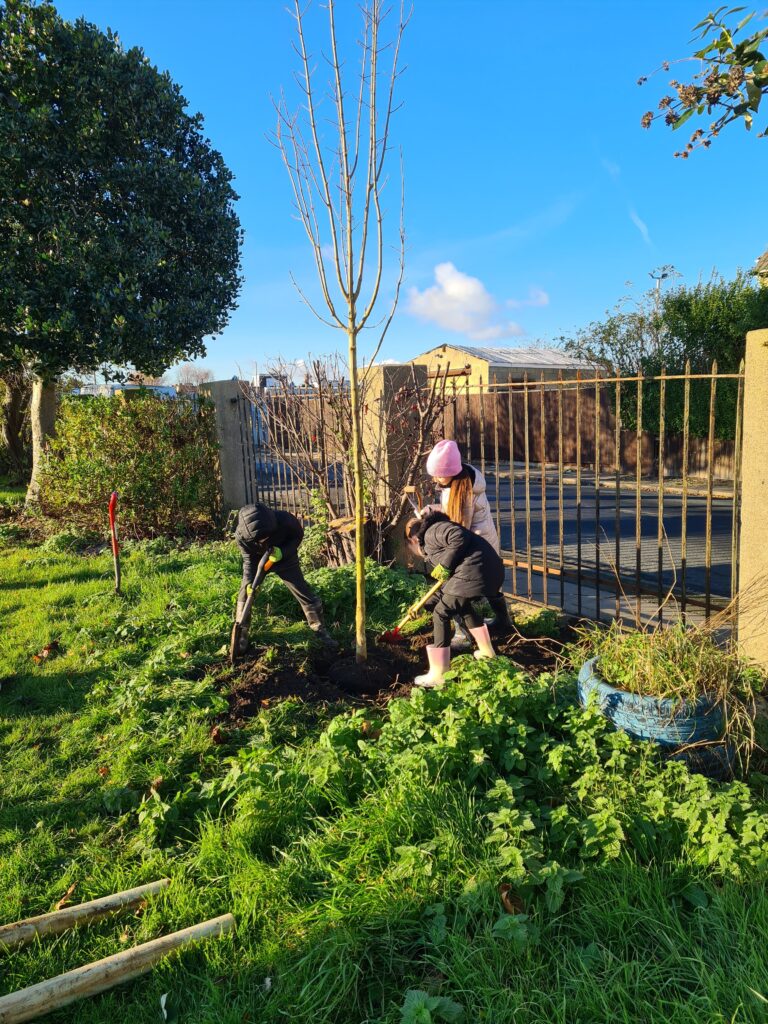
(234, 643)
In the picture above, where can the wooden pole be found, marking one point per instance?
(90, 980)
(23, 932)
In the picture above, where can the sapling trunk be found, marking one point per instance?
(361, 643)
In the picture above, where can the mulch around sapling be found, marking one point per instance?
(265, 677)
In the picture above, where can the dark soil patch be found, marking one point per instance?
(542, 654)
(376, 674)
(325, 679)
(268, 677)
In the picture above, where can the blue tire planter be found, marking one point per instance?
(716, 761)
(667, 722)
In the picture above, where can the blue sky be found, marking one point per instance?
(532, 195)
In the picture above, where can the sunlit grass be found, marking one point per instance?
(350, 883)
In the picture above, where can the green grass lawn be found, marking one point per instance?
(362, 858)
(10, 493)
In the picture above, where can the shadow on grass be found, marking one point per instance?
(26, 694)
(76, 813)
(76, 576)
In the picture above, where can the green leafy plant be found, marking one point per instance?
(421, 1008)
(389, 592)
(313, 552)
(11, 532)
(161, 457)
(536, 622)
(68, 540)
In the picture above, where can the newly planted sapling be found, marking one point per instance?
(351, 254)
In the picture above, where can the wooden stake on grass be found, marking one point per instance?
(90, 980)
(21, 933)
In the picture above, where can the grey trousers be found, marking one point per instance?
(289, 571)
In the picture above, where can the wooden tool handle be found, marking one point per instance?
(418, 605)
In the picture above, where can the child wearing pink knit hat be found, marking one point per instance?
(464, 501)
(444, 460)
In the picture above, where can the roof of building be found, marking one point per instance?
(761, 265)
(525, 358)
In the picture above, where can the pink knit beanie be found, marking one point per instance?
(444, 459)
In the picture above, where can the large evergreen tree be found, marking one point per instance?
(119, 243)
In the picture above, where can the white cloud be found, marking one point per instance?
(460, 303)
(536, 297)
(612, 169)
(641, 226)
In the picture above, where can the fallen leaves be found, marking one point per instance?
(509, 899)
(49, 651)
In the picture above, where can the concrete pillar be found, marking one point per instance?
(224, 395)
(389, 431)
(753, 557)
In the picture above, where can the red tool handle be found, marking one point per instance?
(113, 532)
(112, 527)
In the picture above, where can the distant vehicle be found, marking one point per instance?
(110, 390)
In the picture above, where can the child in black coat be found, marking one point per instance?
(470, 570)
(259, 529)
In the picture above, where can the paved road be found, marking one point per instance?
(672, 568)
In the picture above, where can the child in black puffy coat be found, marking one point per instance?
(470, 570)
(260, 528)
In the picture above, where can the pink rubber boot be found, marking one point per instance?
(483, 640)
(439, 661)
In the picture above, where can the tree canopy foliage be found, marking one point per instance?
(699, 324)
(729, 85)
(119, 243)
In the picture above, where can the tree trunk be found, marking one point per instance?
(361, 643)
(15, 400)
(43, 420)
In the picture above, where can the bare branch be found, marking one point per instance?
(310, 108)
(329, 323)
(344, 158)
(364, 45)
(401, 273)
(300, 173)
